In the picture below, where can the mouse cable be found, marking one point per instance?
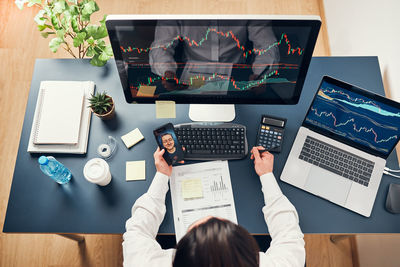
(391, 174)
(390, 170)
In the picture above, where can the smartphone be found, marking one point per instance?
(166, 139)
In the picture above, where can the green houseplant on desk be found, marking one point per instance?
(69, 25)
(102, 105)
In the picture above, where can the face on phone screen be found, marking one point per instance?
(167, 140)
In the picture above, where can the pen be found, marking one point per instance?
(264, 149)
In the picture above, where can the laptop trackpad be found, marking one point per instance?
(328, 185)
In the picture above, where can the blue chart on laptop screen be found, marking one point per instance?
(356, 117)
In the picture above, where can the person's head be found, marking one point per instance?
(168, 142)
(216, 242)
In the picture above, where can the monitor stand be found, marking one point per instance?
(212, 112)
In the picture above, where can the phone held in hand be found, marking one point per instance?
(166, 139)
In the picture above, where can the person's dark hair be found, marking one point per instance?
(217, 243)
(164, 134)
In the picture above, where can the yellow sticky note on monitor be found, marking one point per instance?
(136, 170)
(165, 109)
(192, 188)
(146, 91)
(132, 138)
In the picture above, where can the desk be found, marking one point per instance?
(39, 205)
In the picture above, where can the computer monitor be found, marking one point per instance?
(213, 59)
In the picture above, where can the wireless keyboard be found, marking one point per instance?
(212, 141)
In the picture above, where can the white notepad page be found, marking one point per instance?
(60, 111)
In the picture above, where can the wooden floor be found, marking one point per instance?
(21, 44)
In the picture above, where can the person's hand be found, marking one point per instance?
(264, 162)
(161, 165)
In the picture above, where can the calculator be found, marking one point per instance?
(270, 133)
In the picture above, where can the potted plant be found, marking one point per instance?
(68, 25)
(102, 105)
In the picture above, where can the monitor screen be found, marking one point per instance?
(212, 59)
(355, 116)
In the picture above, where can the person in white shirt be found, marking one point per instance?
(213, 241)
(210, 48)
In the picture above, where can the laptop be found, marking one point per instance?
(341, 148)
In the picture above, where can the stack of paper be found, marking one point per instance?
(62, 117)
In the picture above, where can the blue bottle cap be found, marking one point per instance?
(43, 160)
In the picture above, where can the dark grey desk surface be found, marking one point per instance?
(37, 204)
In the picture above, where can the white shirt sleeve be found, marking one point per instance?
(287, 246)
(140, 247)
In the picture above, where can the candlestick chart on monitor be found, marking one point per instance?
(213, 60)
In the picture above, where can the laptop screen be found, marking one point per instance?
(354, 116)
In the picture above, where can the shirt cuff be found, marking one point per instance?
(159, 186)
(270, 186)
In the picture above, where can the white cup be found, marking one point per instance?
(97, 171)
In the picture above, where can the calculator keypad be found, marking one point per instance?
(270, 137)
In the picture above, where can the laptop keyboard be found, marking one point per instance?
(337, 161)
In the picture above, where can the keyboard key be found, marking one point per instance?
(213, 142)
(329, 168)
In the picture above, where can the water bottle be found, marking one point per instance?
(57, 171)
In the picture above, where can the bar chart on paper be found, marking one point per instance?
(200, 190)
(217, 187)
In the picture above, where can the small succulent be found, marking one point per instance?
(100, 103)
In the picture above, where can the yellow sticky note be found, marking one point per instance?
(165, 109)
(132, 138)
(136, 170)
(192, 188)
(146, 91)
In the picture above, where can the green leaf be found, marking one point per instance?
(103, 21)
(78, 40)
(96, 7)
(96, 32)
(43, 27)
(54, 22)
(104, 57)
(89, 8)
(91, 30)
(101, 33)
(20, 3)
(46, 34)
(48, 11)
(73, 1)
(85, 17)
(59, 7)
(66, 18)
(95, 61)
(33, 2)
(109, 51)
(90, 41)
(101, 44)
(40, 20)
(61, 33)
(74, 10)
(74, 24)
(55, 44)
(90, 52)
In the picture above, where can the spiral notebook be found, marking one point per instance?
(62, 118)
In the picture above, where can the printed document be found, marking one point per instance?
(199, 190)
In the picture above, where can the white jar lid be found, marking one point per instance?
(96, 170)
